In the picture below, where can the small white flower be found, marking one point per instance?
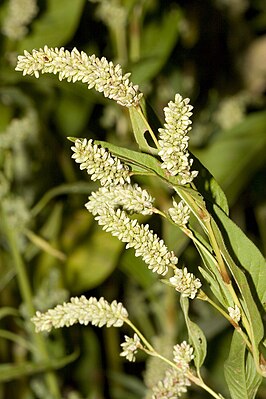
(185, 283)
(81, 310)
(99, 163)
(130, 347)
(173, 385)
(179, 213)
(20, 13)
(234, 313)
(75, 66)
(183, 354)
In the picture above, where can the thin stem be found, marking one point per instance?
(148, 127)
(238, 329)
(217, 251)
(144, 340)
(189, 234)
(134, 36)
(26, 295)
(151, 351)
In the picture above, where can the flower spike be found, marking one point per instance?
(74, 66)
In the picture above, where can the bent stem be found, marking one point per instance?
(152, 352)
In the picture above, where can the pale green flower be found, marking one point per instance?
(84, 311)
(185, 283)
(130, 347)
(179, 213)
(99, 163)
(131, 197)
(173, 140)
(76, 66)
(138, 236)
(20, 13)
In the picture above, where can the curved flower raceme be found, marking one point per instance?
(173, 140)
(84, 311)
(138, 236)
(99, 163)
(74, 66)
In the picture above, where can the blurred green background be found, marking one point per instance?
(212, 51)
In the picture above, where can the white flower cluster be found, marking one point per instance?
(185, 283)
(179, 213)
(234, 313)
(75, 66)
(19, 130)
(113, 14)
(105, 205)
(84, 311)
(131, 197)
(183, 354)
(138, 236)
(130, 347)
(173, 385)
(173, 140)
(176, 381)
(99, 163)
(20, 13)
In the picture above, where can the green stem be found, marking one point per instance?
(239, 329)
(151, 351)
(148, 127)
(189, 234)
(144, 340)
(26, 295)
(134, 33)
(217, 251)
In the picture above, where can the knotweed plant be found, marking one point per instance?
(202, 214)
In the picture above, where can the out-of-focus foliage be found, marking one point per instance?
(212, 51)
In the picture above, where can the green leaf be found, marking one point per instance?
(256, 330)
(9, 372)
(144, 162)
(140, 127)
(247, 254)
(135, 268)
(209, 187)
(56, 26)
(92, 261)
(157, 42)
(196, 335)
(236, 154)
(240, 374)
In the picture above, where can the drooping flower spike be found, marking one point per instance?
(97, 73)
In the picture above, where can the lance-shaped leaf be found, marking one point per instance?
(255, 329)
(240, 374)
(196, 336)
